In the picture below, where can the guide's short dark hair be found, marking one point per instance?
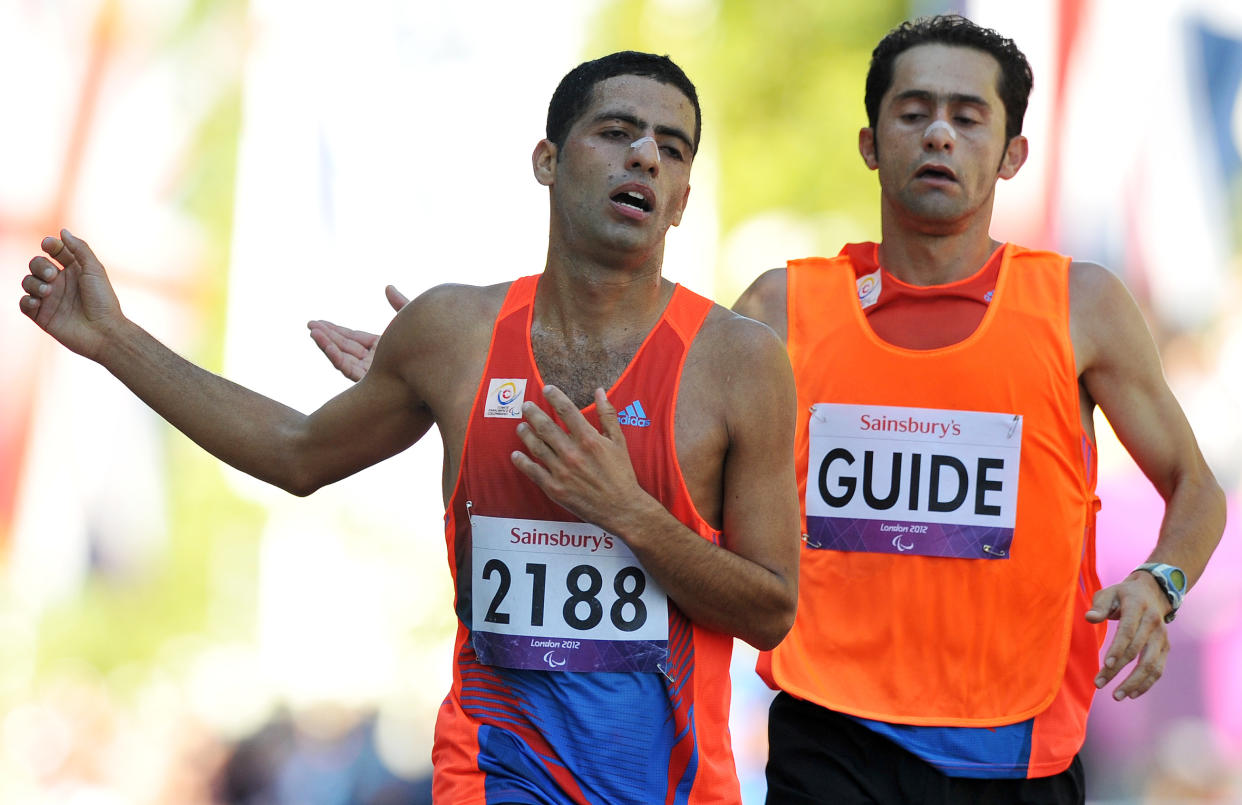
(1013, 86)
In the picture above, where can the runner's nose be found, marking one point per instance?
(645, 154)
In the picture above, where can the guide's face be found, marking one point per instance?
(939, 141)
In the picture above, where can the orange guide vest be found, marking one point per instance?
(953, 638)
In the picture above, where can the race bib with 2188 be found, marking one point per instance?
(561, 596)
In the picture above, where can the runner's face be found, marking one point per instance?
(611, 191)
(939, 142)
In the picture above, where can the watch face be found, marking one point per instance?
(1178, 579)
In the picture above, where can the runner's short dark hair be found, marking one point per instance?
(573, 94)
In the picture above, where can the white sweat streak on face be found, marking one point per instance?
(935, 124)
(649, 139)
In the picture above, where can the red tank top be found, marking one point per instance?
(574, 673)
(921, 317)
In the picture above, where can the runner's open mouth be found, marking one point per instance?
(632, 199)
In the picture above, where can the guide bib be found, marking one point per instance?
(912, 481)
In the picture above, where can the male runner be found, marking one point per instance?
(603, 562)
(946, 645)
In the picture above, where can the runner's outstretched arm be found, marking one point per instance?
(69, 296)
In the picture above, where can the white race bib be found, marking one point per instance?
(560, 596)
(917, 481)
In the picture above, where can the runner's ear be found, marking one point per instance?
(682, 209)
(543, 161)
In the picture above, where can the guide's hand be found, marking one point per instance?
(350, 351)
(1139, 606)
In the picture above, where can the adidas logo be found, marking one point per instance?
(634, 415)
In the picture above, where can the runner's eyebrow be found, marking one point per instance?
(639, 123)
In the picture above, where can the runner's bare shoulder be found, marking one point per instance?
(444, 327)
(738, 355)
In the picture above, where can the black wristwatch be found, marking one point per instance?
(1172, 580)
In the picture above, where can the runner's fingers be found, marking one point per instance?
(608, 423)
(567, 459)
(55, 248)
(79, 249)
(35, 286)
(531, 469)
(559, 401)
(542, 466)
(43, 268)
(544, 426)
(564, 407)
(547, 429)
(535, 444)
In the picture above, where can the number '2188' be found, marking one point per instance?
(580, 595)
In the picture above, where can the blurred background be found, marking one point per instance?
(174, 632)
